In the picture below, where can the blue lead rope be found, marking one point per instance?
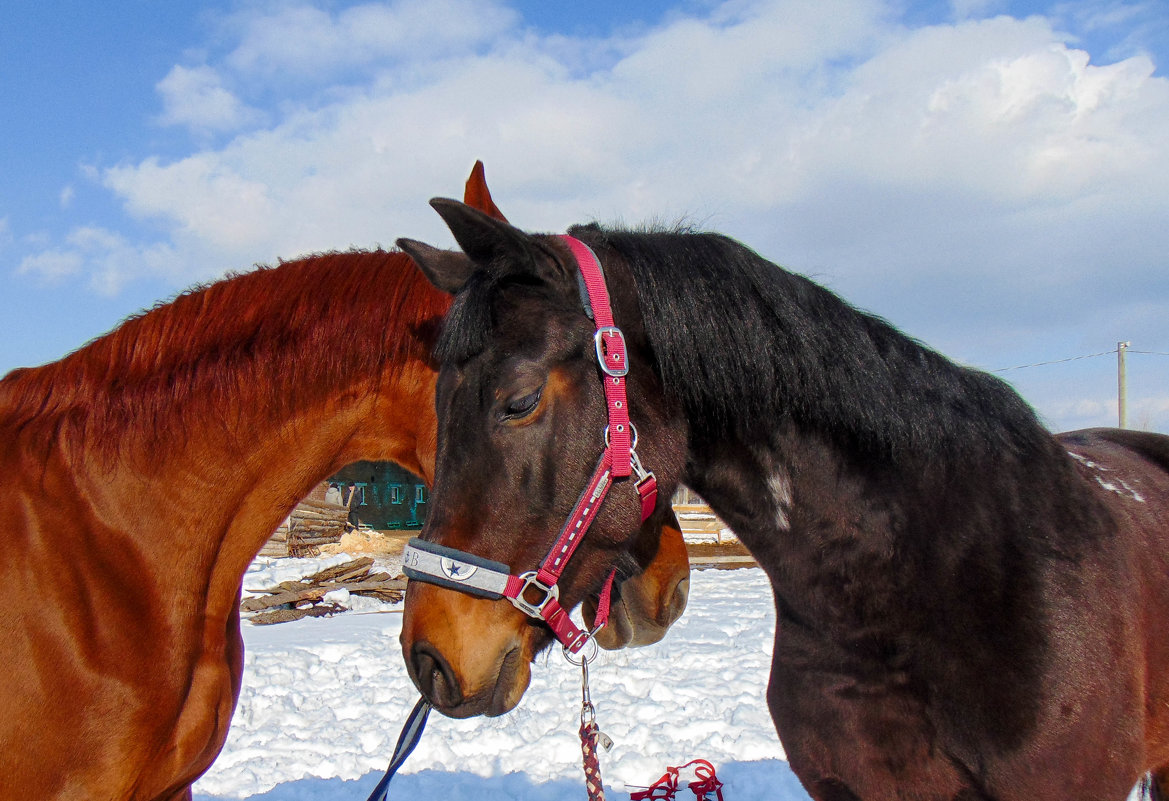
(411, 734)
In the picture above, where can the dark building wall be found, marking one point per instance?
(384, 495)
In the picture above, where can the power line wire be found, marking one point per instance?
(1056, 361)
(1077, 358)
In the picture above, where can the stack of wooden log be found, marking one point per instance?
(313, 523)
(292, 600)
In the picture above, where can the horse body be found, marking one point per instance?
(140, 475)
(904, 666)
(124, 655)
(968, 607)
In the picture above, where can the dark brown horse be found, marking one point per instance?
(968, 607)
(140, 476)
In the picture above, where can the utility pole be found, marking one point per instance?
(1122, 383)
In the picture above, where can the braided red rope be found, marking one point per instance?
(589, 734)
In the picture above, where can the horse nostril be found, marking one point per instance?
(434, 676)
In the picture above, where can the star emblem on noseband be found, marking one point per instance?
(456, 571)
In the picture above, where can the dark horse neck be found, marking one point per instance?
(913, 515)
(820, 431)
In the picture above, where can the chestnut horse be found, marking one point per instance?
(968, 606)
(142, 473)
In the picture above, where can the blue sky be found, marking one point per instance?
(992, 177)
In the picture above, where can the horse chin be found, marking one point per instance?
(647, 604)
(515, 674)
(635, 620)
(511, 683)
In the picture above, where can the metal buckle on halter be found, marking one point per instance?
(535, 610)
(639, 470)
(605, 349)
(578, 642)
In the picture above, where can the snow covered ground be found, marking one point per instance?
(324, 699)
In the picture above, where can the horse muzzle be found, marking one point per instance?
(468, 656)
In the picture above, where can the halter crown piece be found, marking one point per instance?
(536, 592)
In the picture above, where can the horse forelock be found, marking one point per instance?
(472, 323)
(469, 323)
(274, 337)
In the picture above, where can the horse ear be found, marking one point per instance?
(447, 270)
(485, 239)
(490, 244)
(478, 196)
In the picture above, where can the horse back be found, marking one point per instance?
(1130, 472)
(1152, 446)
(1131, 468)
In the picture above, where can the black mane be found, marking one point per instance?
(739, 340)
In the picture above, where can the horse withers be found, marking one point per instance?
(968, 607)
(140, 475)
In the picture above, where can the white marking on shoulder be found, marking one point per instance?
(781, 493)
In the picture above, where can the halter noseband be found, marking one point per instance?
(536, 592)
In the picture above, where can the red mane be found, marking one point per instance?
(277, 337)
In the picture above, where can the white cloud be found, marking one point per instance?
(997, 108)
(760, 106)
(1145, 412)
(52, 265)
(108, 258)
(195, 97)
(976, 182)
(1133, 27)
(305, 41)
(1096, 15)
(66, 196)
(204, 196)
(966, 9)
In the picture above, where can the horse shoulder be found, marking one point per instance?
(98, 673)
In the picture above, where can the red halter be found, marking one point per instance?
(536, 592)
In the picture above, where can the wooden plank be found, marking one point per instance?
(353, 576)
(312, 503)
(329, 573)
(284, 586)
(308, 515)
(316, 539)
(315, 592)
(287, 615)
(715, 561)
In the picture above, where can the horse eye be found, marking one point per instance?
(522, 407)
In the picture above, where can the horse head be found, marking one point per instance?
(648, 602)
(523, 427)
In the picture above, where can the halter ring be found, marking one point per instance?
(632, 433)
(584, 639)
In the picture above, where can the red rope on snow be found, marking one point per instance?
(705, 781)
(661, 790)
(665, 788)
